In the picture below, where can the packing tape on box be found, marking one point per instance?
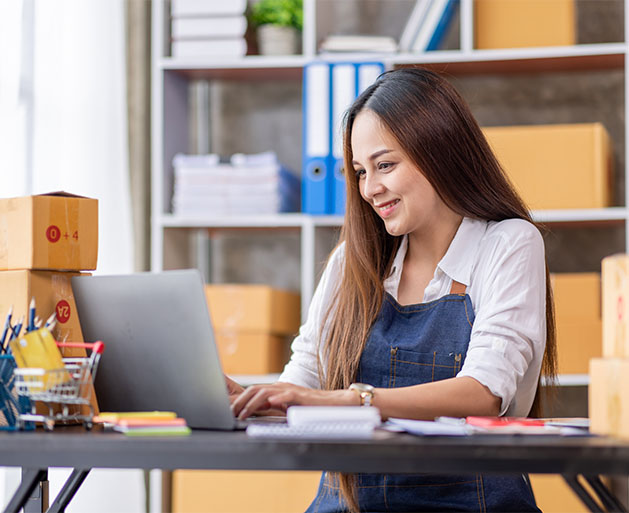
(613, 398)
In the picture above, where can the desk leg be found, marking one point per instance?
(70, 487)
(609, 500)
(30, 481)
(610, 503)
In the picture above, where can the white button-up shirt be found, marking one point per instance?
(502, 264)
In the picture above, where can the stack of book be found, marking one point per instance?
(427, 25)
(208, 28)
(246, 185)
(144, 423)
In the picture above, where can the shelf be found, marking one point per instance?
(257, 221)
(560, 58)
(592, 215)
(571, 380)
(584, 215)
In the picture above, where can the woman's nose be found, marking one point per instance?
(372, 185)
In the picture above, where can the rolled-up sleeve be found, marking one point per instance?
(302, 368)
(509, 332)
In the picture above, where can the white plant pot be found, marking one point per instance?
(276, 40)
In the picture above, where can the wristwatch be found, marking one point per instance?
(366, 393)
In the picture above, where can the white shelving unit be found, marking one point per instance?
(171, 241)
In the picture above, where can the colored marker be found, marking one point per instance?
(7, 323)
(31, 315)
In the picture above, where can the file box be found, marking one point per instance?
(608, 397)
(49, 231)
(556, 166)
(577, 298)
(524, 23)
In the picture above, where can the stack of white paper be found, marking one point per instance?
(208, 28)
(248, 184)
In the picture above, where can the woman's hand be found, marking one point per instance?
(279, 396)
(233, 389)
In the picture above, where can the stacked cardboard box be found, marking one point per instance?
(556, 166)
(251, 323)
(524, 23)
(45, 240)
(609, 375)
(578, 320)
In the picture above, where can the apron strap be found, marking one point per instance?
(457, 288)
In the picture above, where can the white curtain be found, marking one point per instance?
(63, 127)
(79, 115)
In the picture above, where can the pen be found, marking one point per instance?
(7, 323)
(31, 315)
(51, 321)
(17, 329)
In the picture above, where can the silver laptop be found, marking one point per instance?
(160, 352)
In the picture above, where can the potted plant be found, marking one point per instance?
(279, 24)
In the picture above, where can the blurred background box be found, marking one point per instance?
(56, 231)
(577, 299)
(615, 277)
(553, 495)
(524, 23)
(253, 308)
(608, 397)
(251, 353)
(253, 325)
(556, 166)
(242, 491)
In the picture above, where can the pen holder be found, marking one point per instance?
(11, 404)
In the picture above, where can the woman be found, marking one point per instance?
(436, 300)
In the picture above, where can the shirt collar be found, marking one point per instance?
(460, 257)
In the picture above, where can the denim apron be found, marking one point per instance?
(410, 345)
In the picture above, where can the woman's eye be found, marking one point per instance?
(384, 165)
(359, 173)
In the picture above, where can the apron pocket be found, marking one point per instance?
(413, 368)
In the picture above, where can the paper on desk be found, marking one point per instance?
(429, 428)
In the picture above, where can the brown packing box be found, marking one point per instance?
(222, 492)
(553, 495)
(578, 319)
(524, 23)
(253, 308)
(556, 166)
(49, 231)
(52, 292)
(251, 353)
(608, 397)
(615, 294)
(252, 323)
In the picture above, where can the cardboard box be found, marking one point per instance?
(553, 495)
(615, 278)
(577, 299)
(524, 23)
(577, 295)
(253, 308)
(556, 166)
(251, 353)
(56, 231)
(222, 492)
(577, 343)
(608, 397)
(53, 293)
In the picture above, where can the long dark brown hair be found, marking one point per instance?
(436, 129)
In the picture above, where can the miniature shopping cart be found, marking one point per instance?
(63, 392)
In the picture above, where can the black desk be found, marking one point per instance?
(387, 453)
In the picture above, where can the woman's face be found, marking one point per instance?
(389, 181)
